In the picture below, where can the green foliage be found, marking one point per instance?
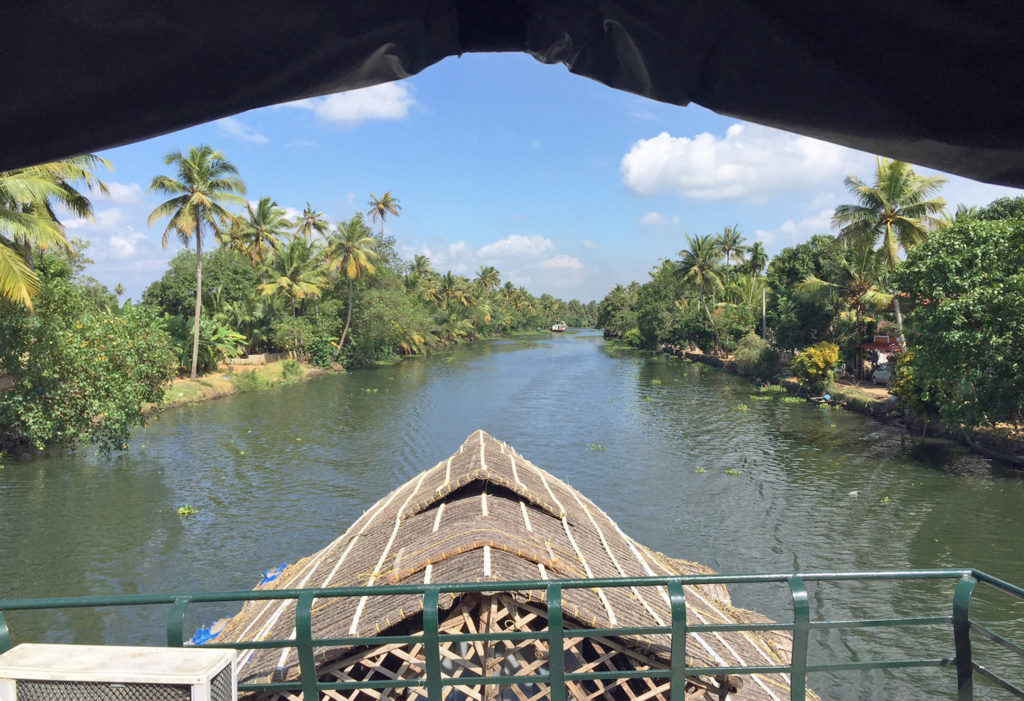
(966, 328)
(187, 510)
(595, 447)
(249, 381)
(793, 400)
(633, 338)
(1003, 208)
(732, 472)
(290, 334)
(83, 374)
(227, 276)
(816, 365)
(741, 407)
(217, 342)
(291, 371)
(797, 320)
(772, 389)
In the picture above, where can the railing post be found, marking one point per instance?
(801, 631)
(5, 635)
(677, 602)
(556, 642)
(176, 621)
(432, 644)
(962, 637)
(304, 643)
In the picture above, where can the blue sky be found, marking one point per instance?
(563, 184)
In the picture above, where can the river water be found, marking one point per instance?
(276, 475)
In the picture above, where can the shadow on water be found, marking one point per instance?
(683, 456)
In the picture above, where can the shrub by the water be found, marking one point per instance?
(249, 381)
(816, 365)
(633, 338)
(755, 357)
(291, 370)
(83, 373)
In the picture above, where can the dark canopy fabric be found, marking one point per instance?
(938, 83)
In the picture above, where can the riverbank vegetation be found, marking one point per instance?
(945, 288)
(78, 366)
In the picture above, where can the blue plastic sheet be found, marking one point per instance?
(271, 574)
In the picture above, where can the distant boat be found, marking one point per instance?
(558, 326)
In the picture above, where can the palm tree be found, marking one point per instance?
(28, 221)
(699, 267)
(204, 180)
(262, 230)
(488, 278)
(311, 221)
(351, 252)
(296, 270)
(897, 211)
(380, 207)
(855, 280)
(757, 258)
(419, 270)
(730, 241)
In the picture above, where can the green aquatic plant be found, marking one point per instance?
(741, 407)
(187, 509)
(655, 381)
(760, 398)
(732, 472)
(794, 400)
(701, 470)
(885, 500)
(771, 389)
(595, 447)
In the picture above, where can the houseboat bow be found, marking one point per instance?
(487, 514)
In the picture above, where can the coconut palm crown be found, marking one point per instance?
(381, 207)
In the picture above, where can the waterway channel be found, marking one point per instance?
(276, 475)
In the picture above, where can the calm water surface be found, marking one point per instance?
(277, 475)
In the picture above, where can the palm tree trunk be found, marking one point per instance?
(295, 331)
(718, 341)
(199, 299)
(899, 320)
(348, 320)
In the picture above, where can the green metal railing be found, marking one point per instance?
(966, 667)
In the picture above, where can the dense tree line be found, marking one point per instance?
(81, 365)
(896, 259)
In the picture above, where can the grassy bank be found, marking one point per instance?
(237, 379)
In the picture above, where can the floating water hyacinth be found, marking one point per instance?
(187, 509)
(595, 447)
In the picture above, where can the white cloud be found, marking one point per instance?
(125, 245)
(656, 219)
(751, 163)
(122, 193)
(592, 245)
(292, 213)
(516, 246)
(348, 109)
(791, 232)
(563, 262)
(238, 129)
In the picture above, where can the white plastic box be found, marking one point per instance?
(40, 672)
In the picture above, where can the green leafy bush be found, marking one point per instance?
(291, 370)
(755, 357)
(82, 374)
(633, 337)
(250, 381)
(217, 341)
(816, 365)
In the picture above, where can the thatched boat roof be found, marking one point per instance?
(488, 514)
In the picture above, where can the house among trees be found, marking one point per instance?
(488, 514)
